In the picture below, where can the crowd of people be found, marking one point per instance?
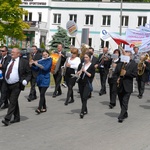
(119, 69)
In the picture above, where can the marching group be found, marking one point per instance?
(78, 68)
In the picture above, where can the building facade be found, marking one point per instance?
(45, 15)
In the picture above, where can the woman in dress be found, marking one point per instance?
(71, 66)
(43, 79)
(86, 71)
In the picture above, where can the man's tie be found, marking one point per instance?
(9, 70)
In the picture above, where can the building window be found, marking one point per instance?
(57, 18)
(142, 21)
(104, 43)
(72, 41)
(89, 19)
(106, 20)
(125, 21)
(26, 18)
(90, 41)
(30, 16)
(40, 17)
(73, 17)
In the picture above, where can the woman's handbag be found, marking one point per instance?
(90, 86)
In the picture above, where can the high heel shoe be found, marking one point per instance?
(81, 115)
(37, 111)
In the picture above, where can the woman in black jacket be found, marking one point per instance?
(86, 71)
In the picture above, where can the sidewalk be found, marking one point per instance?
(61, 128)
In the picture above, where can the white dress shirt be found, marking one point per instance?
(14, 76)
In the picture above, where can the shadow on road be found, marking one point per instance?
(112, 114)
(105, 103)
(145, 106)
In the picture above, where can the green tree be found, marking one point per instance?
(11, 23)
(60, 37)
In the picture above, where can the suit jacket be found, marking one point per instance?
(94, 60)
(106, 64)
(145, 76)
(87, 79)
(5, 63)
(24, 71)
(37, 56)
(126, 82)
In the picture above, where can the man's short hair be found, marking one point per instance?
(34, 46)
(91, 48)
(6, 48)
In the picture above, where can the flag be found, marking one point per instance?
(120, 40)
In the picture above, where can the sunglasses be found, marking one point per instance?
(2, 51)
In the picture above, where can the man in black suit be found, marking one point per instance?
(125, 72)
(34, 56)
(143, 74)
(17, 75)
(94, 61)
(3, 65)
(58, 74)
(104, 65)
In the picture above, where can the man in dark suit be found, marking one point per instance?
(34, 56)
(94, 61)
(104, 65)
(58, 74)
(3, 65)
(143, 72)
(17, 75)
(125, 72)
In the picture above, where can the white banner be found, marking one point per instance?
(145, 47)
(144, 29)
(104, 35)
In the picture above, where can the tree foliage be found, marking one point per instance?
(11, 23)
(60, 37)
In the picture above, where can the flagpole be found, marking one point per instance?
(121, 17)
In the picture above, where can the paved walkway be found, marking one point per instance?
(60, 128)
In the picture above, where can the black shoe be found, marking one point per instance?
(31, 98)
(54, 95)
(72, 101)
(85, 112)
(111, 106)
(140, 96)
(58, 94)
(125, 115)
(15, 121)
(102, 93)
(5, 122)
(81, 115)
(5, 106)
(66, 103)
(120, 120)
(37, 111)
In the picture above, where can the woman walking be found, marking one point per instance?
(86, 71)
(43, 79)
(71, 66)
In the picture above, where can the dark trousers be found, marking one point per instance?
(32, 89)
(84, 93)
(141, 87)
(42, 102)
(70, 84)
(13, 94)
(124, 100)
(4, 94)
(113, 93)
(103, 78)
(57, 79)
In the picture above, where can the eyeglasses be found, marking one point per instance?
(2, 51)
(73, 53)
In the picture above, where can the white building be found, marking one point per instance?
(46, 15)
